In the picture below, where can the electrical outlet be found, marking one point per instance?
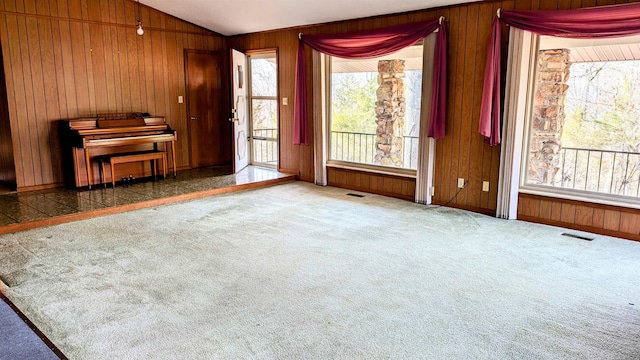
(285, 101)
(433, 190)
(485, 186)
(180, 99)
(461, 182)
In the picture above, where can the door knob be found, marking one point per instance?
(194, 118)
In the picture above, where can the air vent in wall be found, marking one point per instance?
(356, 195)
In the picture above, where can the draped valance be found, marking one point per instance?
(602, 22)
(370, 44)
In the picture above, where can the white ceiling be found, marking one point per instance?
(412, 56)
(232, 17)
(588, 50)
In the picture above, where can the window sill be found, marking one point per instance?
(584, 196)
(406, 173)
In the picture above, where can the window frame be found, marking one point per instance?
(264, 53)
(372, 168)
(546, 190)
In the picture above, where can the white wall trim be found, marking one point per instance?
(426, 145)
(319, 118)
(523, 47)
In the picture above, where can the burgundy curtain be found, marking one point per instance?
(604, 22)
(369, 44)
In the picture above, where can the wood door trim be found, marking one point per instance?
(260, 51)
(275, 50)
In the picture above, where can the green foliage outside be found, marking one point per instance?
(353, 102)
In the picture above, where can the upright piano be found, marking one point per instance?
(107, 134)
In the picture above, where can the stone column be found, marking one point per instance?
(390, 113)
(548, 115)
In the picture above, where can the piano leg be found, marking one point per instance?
(103, 174)
(89, 170)
(173, 158)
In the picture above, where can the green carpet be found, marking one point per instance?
(300, 271)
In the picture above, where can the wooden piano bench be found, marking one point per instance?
(123, 158)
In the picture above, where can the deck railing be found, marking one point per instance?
(265, 146)
(361, 148)
(602, 171)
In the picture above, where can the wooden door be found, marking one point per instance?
(239, 111)
(206, 123)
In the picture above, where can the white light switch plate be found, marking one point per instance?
(485, 186)
(285, 101)
(180, 99)
(461, 182)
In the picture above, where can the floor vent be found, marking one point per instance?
(355, 195)
(578, 236)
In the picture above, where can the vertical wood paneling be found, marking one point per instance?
(74, 58)
(598, 218)
(22, 136)
(7, 167)
(101, 67)
(466, 128)
(454, 118)
(462, 153)
(545, 209)
(579, 215)
(629, 223)
(612, 220)
(568, 213)
(388, 185)
(584, 215)
(478, 164)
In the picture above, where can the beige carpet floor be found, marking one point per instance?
(297, 271)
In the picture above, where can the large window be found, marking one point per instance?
(584, 133)
(264, 108)
(375, 110)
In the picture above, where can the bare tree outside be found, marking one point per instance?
(601, 135)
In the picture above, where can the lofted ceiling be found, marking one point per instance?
(233, 17)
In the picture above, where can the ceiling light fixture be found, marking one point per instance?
(140, 30)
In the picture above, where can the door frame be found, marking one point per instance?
(270, 50)
(224, 96)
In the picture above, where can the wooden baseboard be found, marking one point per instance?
(290, 171)
(39, 187)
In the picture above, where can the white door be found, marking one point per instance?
(239, 111)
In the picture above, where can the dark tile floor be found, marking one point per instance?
(31, 206)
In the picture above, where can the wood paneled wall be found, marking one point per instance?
(596, 218)
(71, 58)
(7, 166)
(75, 58)
(463, 153)
(388, 185)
